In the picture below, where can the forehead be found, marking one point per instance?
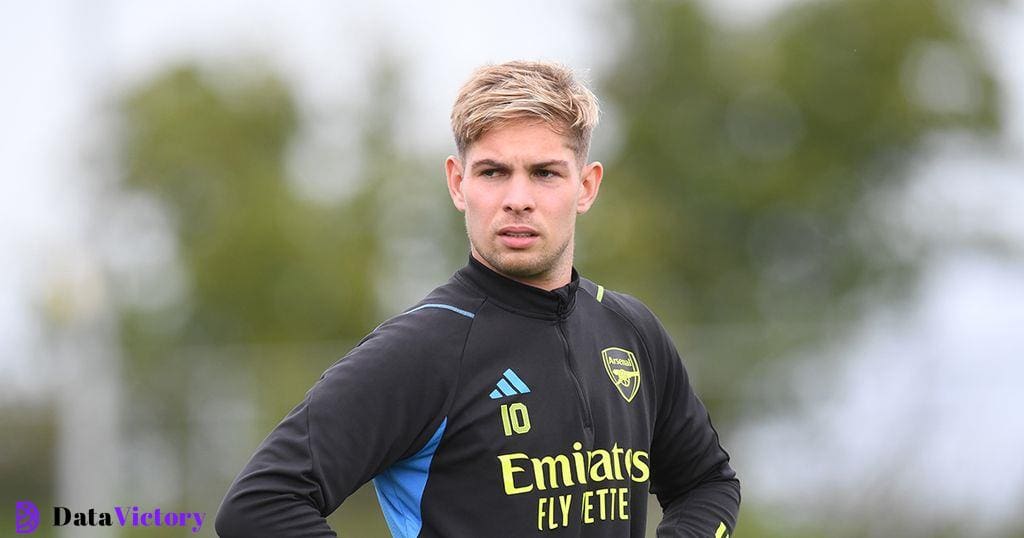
(521, 140)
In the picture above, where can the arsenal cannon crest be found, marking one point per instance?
(623, 370)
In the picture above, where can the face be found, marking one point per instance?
(521, 188)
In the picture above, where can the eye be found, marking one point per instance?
(545, 174)
(491, 172)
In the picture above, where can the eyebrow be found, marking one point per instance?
(549, 164)
(491, 163)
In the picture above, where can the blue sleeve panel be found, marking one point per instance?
(400, 489)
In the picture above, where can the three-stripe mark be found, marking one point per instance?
(509, 385)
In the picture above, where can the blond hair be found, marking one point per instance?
(496, 95)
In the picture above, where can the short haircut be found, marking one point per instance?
(497, 95)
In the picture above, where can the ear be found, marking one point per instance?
(590, 183)
(453, 170)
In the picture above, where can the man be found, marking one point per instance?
(517, 399)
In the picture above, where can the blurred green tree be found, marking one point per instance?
(738, 199)
(263, 265)
(278, 282)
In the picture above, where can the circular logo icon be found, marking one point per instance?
(26, 517)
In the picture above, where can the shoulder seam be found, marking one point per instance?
(443, 306)
(439, 306)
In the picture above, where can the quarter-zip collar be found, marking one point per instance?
(518, 297)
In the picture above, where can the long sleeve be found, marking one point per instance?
(278, 491)
(697, 489)
(378, 405)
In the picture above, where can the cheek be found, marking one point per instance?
(476, 218)
(479, 205)
(567, 208)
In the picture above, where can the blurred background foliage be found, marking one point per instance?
(739, 198)
(742, 165)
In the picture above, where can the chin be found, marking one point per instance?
(518, 264)
(518, 267)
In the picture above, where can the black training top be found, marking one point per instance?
(496, 409)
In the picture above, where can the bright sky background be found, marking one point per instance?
(951, 363)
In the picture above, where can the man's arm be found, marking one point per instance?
(379, 404)
(697, 489)
(280, 492)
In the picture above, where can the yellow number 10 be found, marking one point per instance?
(515, 418)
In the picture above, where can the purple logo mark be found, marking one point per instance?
(26, 517)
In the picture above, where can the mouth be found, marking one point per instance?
(517, 231)
(518, 237)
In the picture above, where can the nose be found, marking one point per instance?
(519, 195)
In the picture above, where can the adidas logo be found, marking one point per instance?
(509, 385)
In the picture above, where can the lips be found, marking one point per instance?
(518, 237)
